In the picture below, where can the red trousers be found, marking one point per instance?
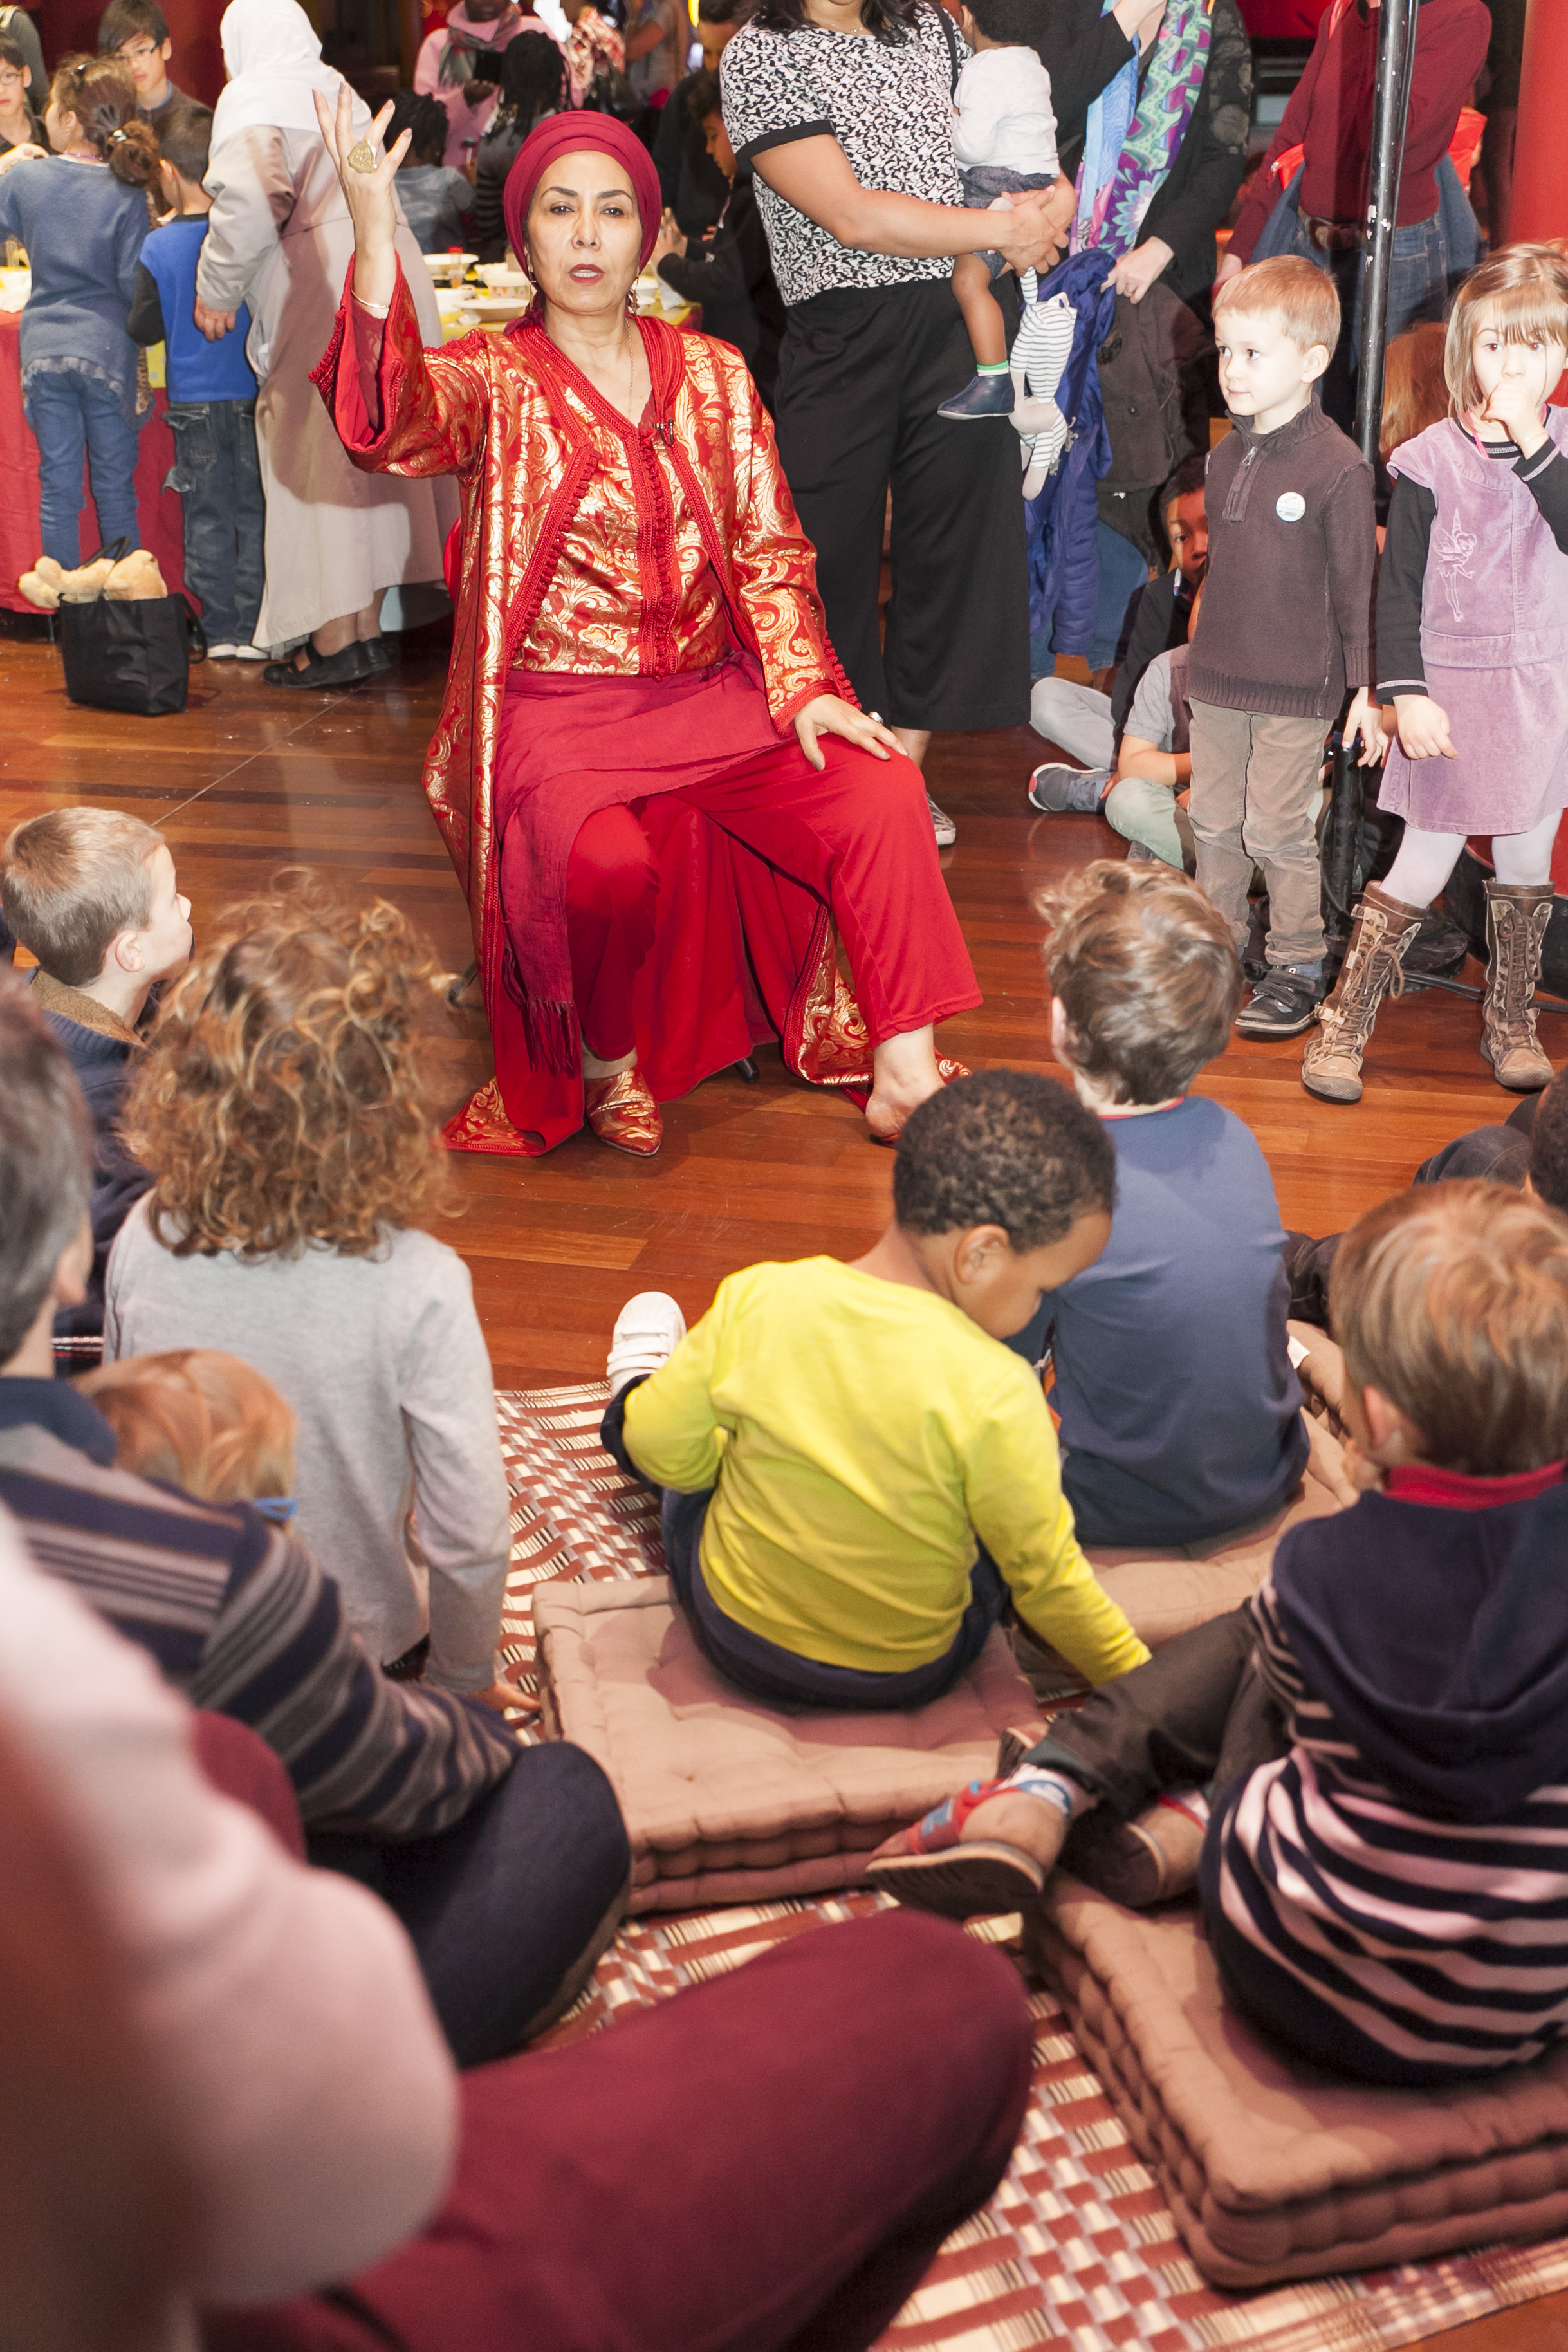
(766, 2163)
(857, 835)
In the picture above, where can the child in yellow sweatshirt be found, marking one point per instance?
(859, 1479)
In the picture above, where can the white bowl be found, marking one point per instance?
(501, 277)
(449, 266)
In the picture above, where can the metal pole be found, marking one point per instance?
(1397, 21)
(1396, 27)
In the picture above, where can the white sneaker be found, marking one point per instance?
(252, 653)
(942, 824)
(648, 1331)
(222, 653)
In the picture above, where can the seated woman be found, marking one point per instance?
(644, 770)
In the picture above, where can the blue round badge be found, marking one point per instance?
(1291, 506)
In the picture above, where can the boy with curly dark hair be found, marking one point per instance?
(859, 1478)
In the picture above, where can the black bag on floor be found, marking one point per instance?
(130, 655)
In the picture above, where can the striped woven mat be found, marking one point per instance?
(1077, 2247)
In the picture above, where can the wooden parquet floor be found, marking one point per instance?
(251, 779)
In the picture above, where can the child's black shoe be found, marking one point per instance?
(1283, 1004)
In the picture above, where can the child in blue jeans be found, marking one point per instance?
(212, 403)
(82, 215)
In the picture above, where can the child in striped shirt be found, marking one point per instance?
(1384, 1730)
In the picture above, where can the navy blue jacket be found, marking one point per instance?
(1064, 557)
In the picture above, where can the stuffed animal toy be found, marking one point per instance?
(49, 585)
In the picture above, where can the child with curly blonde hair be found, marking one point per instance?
(281, 1109)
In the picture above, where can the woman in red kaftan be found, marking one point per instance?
(644, 770)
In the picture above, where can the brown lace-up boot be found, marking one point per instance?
(1516, 917)
(1385, 926)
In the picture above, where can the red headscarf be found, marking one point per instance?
(580, 131)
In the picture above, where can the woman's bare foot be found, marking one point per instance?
(903, 1073)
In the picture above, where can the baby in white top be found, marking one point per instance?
(1004, 140)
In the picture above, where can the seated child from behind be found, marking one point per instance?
(202, 1419)
(1384, 1874)
(92, 895)
(1179, 1410)
(1148, 802)
(1004, 138)
(211, 400)
(859, 1476)
(435, 195)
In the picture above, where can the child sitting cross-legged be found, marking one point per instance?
(1180, 1414)
(859, 1477)
(1383, 1728)
(1148, 802)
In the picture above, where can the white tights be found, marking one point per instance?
(1425, 860)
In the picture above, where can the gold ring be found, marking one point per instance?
(363, 156)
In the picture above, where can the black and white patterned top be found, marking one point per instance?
(889, 106)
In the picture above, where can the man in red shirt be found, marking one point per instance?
(1329, 119)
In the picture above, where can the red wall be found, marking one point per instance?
(197, 64)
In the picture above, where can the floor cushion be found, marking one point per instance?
(730, 1801)
(1271, 2170)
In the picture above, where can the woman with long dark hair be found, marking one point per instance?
(844, 108)
(534, 84)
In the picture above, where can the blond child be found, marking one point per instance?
(1286, 629)
(93, 896)
(202, 1419)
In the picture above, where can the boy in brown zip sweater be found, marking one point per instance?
(1285, 628)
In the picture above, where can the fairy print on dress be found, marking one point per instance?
(1452, 550)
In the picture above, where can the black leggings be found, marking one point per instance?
(861, 376)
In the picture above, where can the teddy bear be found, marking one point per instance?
(49, 585)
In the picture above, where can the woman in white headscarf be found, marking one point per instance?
(281, 240)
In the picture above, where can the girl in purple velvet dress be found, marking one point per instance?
(1472, 651)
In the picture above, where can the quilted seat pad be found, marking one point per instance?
(727, 1800)
(1271, 2169)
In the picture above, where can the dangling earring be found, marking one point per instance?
(632, 302)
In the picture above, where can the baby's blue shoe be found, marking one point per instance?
(983, 395)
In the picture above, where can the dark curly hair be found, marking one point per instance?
(1549, 1145)
(890, 20)
(426, 118)
(1002, 1148)
(280, 1101)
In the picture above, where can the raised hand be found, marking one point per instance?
(368, 193)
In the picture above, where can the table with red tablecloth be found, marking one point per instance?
(163, 524)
